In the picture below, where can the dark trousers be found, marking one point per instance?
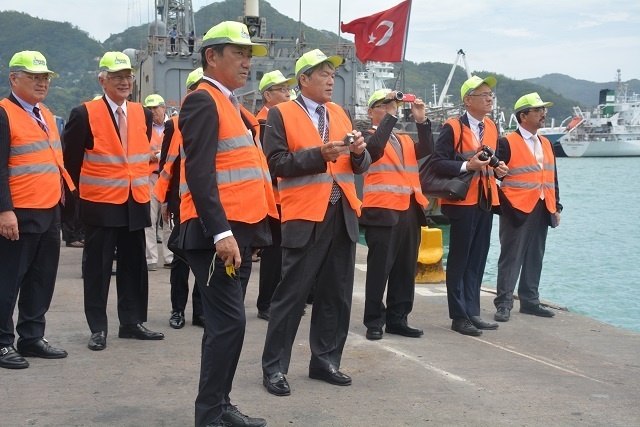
(330, 257)
(469, 240)
(29, 266)
(223, 307)
(270, 266)
(392, 256)
(132, 277)
(72, 228)
(521, 254)
(179, 279)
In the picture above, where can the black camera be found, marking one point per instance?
(349, 139)
(487, 153)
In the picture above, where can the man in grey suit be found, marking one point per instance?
(304, 146)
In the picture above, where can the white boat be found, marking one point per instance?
(611, 130)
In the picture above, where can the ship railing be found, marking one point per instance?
(163, 44)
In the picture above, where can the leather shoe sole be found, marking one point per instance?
(98, 341)
(405, 331)
(332, 377)
(481, 324)
(276, 384)
(41, 348)
(374, 333)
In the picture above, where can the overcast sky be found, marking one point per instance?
(585, 39)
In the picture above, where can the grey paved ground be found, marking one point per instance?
(565, 371)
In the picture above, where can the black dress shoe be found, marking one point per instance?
(41, 348)
(404, 330)
(330, 375)
(218, 423)
(11, 359)
(138, 332)
(481, 324)
(176, 321)
(502, 314)
(98, 341)
(537, 310)
(276, 384)
(198, 320)
(374, 333)
(465, 327)
(264, 314)
(235, 418)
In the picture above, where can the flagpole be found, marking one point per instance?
(339, 19)
(406, 38)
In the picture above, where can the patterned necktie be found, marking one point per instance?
(480, 132)
(234, 101)
(324, 134)
(397, 146)
(122, 129)
(36, 111)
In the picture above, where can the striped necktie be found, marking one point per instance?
(480, 132)
(36, 112)
(324, 134)
(234, 101)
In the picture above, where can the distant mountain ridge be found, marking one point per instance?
(74, 55)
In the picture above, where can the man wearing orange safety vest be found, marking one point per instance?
(226, 197)
(471, 218)
(155, 103)
(530, 203)
(304, 142)
(167, 192)
(32, 179)
(393, 212)
(274, 87)
(107, 155)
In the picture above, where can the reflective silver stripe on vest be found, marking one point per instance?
(56, 144)
(29, 148)
(344, 177)
(524, 169)
(549, 166)
(551, 185)
(165, 174)
(266, 175)
(104, 182)
(138, 182)
(229, 144)
(140, 158)
(392, 168)
(171, 158)
(299, 181)
(520, 184)
(236, 175)
(32, 169)
(387, 189)
(469, 153)
(102, 158)
(183, 189)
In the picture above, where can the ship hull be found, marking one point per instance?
(626, 148)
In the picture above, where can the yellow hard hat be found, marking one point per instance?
(273, 78)
(474, 82)
(194, 77)
(115, 61)
(232, 32)
(154, 100)
(379, 95)
(313, 58)
(530, 100)
(30, 61)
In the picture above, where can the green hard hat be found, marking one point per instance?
(313, 58)
(194, 77)
(115, 61)
(379, 95)
(530, 100)
(273, 78)
(154, 100)
(474, 82)
(234, 33)
(30, 61)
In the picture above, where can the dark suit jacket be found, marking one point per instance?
(284, 163)
(199, 124)
(78, 138)
(29, 220)
(376, 144)
(172, 198)
(517, 216)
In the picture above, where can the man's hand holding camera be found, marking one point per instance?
(487, 157)
(353, 142)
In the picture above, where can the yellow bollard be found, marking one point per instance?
(430, 269)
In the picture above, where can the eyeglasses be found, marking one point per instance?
(46, 78)
(384, 103)
(483, 94)
(120, 79)
(278, 89)
(539, 109)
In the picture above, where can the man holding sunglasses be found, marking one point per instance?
(530, 203)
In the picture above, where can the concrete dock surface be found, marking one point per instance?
(566, 371)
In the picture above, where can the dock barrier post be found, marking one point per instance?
(430, 269)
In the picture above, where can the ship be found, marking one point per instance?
(612, 129)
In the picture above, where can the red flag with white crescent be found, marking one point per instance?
(382, 36)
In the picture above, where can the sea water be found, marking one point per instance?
(592, 260)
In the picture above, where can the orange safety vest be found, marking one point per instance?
(155, 145)
(307, 197)
(262, 114)
(108, 173)
(262, 117)
(244, 183)
(164, 180)
(526, 179)
(469, 149)
(35, 159)
(388, 183)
